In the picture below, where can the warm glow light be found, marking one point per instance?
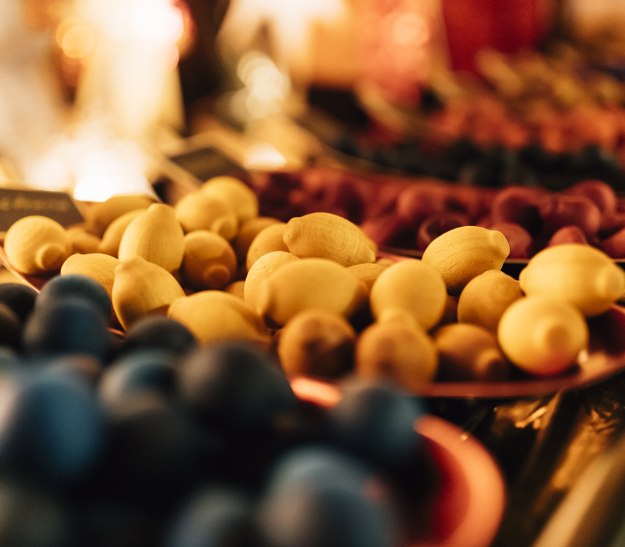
(266, 87)
(137, 20)
(75, 39)
(93, 165)
(131, 77)
(264, 157)
(321, 393)
(410, 29)
(103, 173)
(290, 22)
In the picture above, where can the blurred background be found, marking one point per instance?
(93, 93)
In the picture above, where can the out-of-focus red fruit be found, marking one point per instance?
(519, 238)
(567, 234)
(612, 224)
(600, 193)
(438, 224)
(615, 244)
(466, 200)
(484, 221)
(419, 201)
(560, 210)
(519, 205)
(390, 231)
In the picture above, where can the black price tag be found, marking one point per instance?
(15, 204)
(205, 162)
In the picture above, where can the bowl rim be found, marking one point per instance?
(471, 480)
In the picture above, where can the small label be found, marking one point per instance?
(15, 204)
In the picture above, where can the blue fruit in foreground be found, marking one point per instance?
(75, 286)
(316, 500)
(234, 387)
(147, 371)
(54, 432)
(19, 297)
(217, 517)
(377, 422)
(71, 326)
(159, 332)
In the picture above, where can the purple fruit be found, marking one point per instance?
(599, 192)
(419, 201)
(615, 244)
(567, 234)
(437, 224)
(519, 205)
(519, 238)
(560, 210)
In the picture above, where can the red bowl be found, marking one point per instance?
(471, 498)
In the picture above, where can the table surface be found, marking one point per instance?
(543, 446)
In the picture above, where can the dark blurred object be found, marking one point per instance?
(592, 513)
(339, 104)
(200, 69)
(204, 162)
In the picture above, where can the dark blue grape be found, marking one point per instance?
(10, 327)
(320, 501)
(309, 464)
(54, 432)
(377, 422)
(235, 387)
(146, 371)
(216, 517)
(19, 297)
(82, 367)
(71, 326)
(76, 286)
(159, 332)
(154, 453)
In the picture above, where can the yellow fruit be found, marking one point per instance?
(260, 271)
(367, 272)
(463, 253)
(83, 241)
(486, 297)
(309, 283)
(318, 343)
(246, 234)
(325, 235)
(37, 245)
(201, 211)
(577, 273)
(209, 261)
(112, 236)
(269, 239)
(236, 193)
(155, 235)
(141, 288)
(397, 352)
(97, 266)
(99, 216)
(542, 335)
(469, 352)
(216, 315)
(410, 290)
